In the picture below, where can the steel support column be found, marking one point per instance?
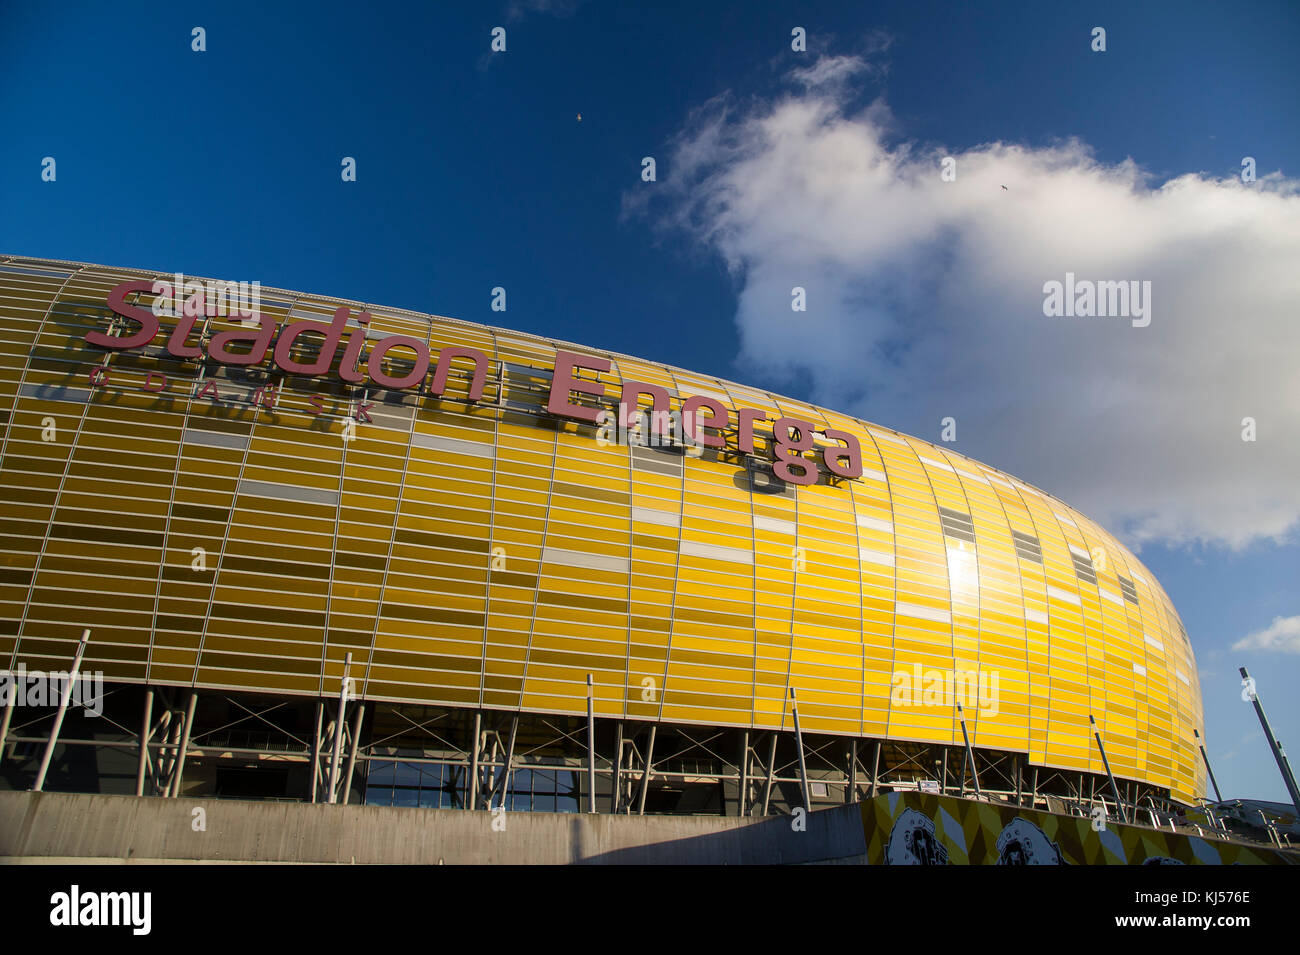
(174, 786)
(170, 752)
(970, 755)
(614, 798)
(339, 723)
(851, 790)
(8, 716)
(875, 771)
(145, 735)
(315, 750)
(771, 768)
(58, 717)
(798, 738)
(1119, 803)
(471, 802)
(504, 785)
(742, 807)
(1279, 754)
(645, 776)
(591, 744)
(155, 765)
(357, 716)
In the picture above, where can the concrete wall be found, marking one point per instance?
(61, 827)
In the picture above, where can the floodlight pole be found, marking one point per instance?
(58, 717)
(1278, 753)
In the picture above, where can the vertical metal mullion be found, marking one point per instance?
(546, 526)
(492, 517)
(225, 543)
(392, 538)
(4, 446)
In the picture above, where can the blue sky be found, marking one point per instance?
(473, 172)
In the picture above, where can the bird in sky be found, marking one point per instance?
(1004, 189)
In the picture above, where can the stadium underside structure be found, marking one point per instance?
(327, 550)
(253, 746)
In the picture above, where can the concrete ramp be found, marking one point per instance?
(62, 827)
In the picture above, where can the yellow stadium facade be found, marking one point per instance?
(482, 520)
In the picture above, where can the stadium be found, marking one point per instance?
(328, 551)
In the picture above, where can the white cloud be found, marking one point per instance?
(516, 10)
(1282, 636)
(925, 299)
(831, 72)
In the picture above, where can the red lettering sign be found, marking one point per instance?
(791, 438)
